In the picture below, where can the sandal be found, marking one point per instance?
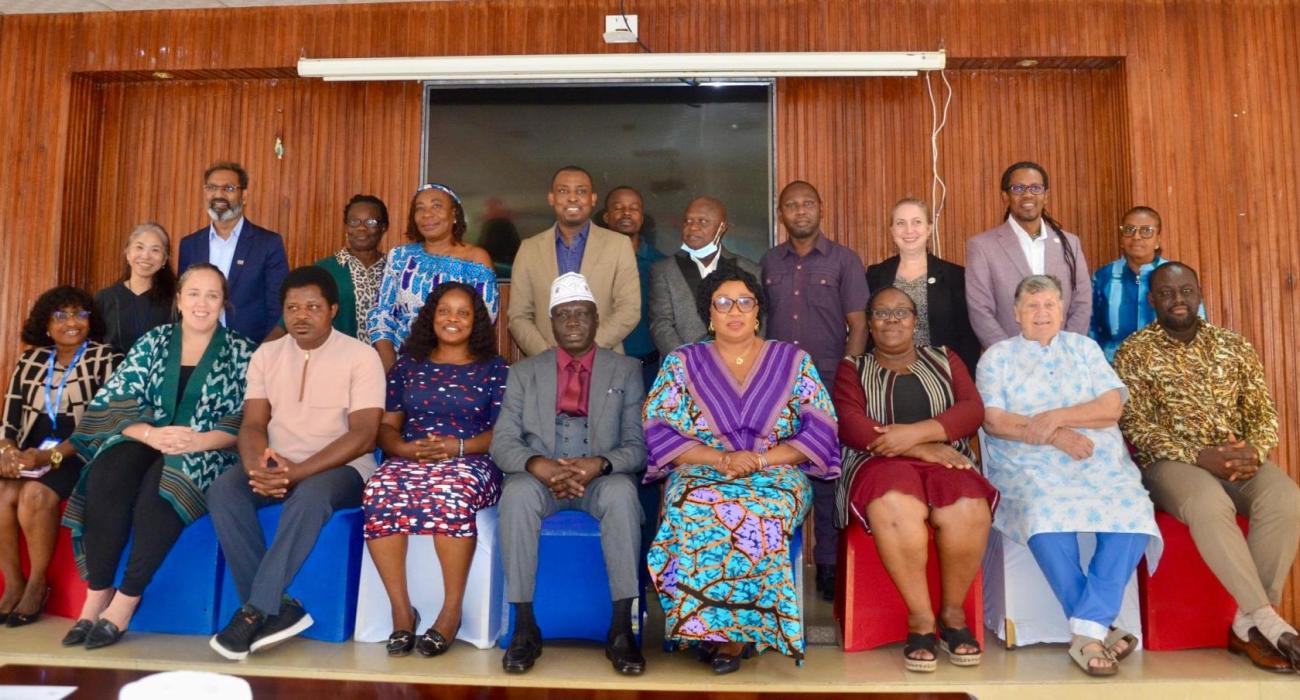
(952, 639)
(1116, 636)
(401, 642)
(1084, 658)
(921, 642)
(432, 643)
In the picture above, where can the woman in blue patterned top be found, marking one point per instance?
(1053, 449)
(437, 253)
(1119, 288)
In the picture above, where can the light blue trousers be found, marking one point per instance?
(1091, 600)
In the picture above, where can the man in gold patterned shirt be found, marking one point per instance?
(1200, 416)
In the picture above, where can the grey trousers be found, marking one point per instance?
(1253, 568)
(262, 575)
(526, 502)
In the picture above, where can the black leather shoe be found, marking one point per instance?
(625, 655)
(522, 653)
(726, 663)
(103, 634)
(77, 634)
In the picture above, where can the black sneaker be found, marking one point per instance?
(291, 621)
(233, 641)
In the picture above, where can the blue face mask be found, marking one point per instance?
(707, 249)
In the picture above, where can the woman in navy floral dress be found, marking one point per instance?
(444, 394)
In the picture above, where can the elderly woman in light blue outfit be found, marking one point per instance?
(1053, 448)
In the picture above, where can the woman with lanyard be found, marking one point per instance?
(51, 385)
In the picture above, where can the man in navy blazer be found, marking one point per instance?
(251, 257)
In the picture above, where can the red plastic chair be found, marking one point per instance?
(1183, 605)
(868, 606)
(67, 590)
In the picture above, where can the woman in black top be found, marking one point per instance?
(936, 286)
(51, 385)
(141, 299)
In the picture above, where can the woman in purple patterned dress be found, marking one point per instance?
(444, 394)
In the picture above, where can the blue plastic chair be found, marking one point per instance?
(328, 581)
(183, 596)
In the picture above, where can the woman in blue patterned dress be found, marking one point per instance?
(1053, 449)
(437, 253)
(444, 394)
(734, 424)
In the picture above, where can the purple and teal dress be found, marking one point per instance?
(721, 558)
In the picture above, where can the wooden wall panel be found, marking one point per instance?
(1204, 95)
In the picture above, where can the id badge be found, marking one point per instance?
(49, 443)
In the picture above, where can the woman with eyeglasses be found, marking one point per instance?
(50, 387)
(437, 253)
(735, 424)
(141, 299)
(1119, 288)
(936, 286)
(908, 413)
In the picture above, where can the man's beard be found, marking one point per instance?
(230, 214)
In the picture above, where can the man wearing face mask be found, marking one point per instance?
(674, 318)
(252, 258)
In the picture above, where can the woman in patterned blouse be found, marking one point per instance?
(49, 390)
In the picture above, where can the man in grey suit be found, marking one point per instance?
(569, 438)
(674, 316)
(1028, 243)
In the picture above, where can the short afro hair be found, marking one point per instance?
(311, 276)
(36, 331)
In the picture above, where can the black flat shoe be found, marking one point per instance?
(103, 634)
(17, 619)
(77, 634)
(728, 663)
(401, 642)
(625, 655)
(432, 643)
(522, 653)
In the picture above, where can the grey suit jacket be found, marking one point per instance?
(526, 425)
(995, 264)
(674, 317)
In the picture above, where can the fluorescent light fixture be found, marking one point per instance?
(622, 66)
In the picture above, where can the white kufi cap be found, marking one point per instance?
(570, 286)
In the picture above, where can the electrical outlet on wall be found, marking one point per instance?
(620, 29)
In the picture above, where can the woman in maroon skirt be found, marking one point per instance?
(907, 415)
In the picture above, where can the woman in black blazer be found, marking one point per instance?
(937, 286)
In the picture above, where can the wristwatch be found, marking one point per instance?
(56, 458)
(606, 467)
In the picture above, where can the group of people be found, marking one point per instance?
(241, 384)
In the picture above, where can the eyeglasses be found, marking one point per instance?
(228, 189)
(69, 315)
(1018, 189)
(723, 305)
(1129, 230)
(372, 224)
(899, 314)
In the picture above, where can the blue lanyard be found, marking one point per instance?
(52, 403)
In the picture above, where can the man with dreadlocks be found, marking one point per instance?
(1029, 242)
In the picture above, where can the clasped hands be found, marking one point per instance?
(1045, 429)
(272, 475)
(566, 478)
(432, 448)
(1231, 461)
(175, 439)
(905, 440)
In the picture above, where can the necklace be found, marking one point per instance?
(740, 359)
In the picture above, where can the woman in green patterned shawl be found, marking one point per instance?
(154, 438)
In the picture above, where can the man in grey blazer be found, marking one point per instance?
(674, 316)
(569, 438)
(1028, 243)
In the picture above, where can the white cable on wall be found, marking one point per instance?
(938, 188)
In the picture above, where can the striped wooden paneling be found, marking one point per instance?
(1185, 105)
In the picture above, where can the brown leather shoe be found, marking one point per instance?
(1261, 653)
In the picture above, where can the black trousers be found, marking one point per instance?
(122, 493)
